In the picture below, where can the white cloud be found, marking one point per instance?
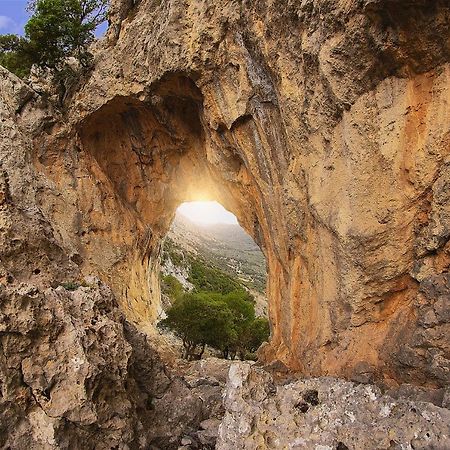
(8, 25)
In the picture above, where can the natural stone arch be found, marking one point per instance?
(153, 155)
(343, 165)
(154, 152)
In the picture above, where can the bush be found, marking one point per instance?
(70, 286)
(224, 322)
(205, 278)
(254, 334)
(170, 251)
(251, 332)
(14, 54)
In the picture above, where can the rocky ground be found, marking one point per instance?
(76, 375)
(325, 414)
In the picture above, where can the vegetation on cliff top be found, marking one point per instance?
(56, 31)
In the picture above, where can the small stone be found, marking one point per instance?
(186, 441)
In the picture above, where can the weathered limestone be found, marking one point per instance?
(324, 126)
(324, 413)
(75, 375)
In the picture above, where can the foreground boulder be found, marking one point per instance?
(324, 414)
(75, 375)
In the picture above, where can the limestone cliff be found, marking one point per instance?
(323, 125)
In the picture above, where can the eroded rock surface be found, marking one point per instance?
(324, 413)
(324, 126)
(75, 375)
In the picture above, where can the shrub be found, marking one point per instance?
(205, 278)
(70, 286)
(14, 54)
(200, 320)
(254, 334)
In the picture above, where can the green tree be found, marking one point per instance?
(252, 335)
(240, 303)
(250, 331)
(200, 320)
(57, 30)
(14, 54)
(224, 322)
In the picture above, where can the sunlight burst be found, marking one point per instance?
(206, 213)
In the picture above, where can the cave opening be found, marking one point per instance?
(211, 268)
(147, 155)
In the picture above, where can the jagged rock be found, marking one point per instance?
(75, 374)
(324, 413)
(209, 432)
(63, 368)
(331, 148)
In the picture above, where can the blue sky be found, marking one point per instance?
(14, 16)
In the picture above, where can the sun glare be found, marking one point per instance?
(206, 213)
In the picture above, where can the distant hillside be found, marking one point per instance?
(224, 246)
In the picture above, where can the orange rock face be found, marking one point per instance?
(325, 127)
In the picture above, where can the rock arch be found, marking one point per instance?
(152, 155)
(332, 154)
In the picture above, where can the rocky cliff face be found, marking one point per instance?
(75, 375)
(324, 126)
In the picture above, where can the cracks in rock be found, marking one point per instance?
(33, 394)
(240, 121)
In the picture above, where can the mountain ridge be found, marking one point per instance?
(225, 246)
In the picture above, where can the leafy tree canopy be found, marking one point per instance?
(224, 322)
(14, 54)
(254, 334)
(57, 30)
(219, 312)
(200, 320)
